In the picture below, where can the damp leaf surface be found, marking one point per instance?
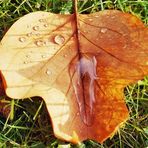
(79, 65)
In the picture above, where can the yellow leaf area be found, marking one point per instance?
(79, 64)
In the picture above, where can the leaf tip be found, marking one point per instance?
(75, 138)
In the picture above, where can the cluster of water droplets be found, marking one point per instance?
(58, 39)
(39, 42)
(102, 30)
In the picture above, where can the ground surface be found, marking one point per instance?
(30, 126)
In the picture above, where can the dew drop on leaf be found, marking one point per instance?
(25, 62)
(124, 46)
(27, 56)
(103, 30)
(45, 43)
(36, 28)
(48, 72)
(45, 25)
(39, 43)
(90, 19)
(22, 39)
(96, 16)
(65, 55)
(59, 39)
(29, 34)
(85, 31)
(43, 56)
(41, 20)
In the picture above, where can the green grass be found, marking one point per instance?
(31, 126)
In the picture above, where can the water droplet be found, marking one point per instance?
(28, 26)
(29, 34)
(25, 62)
(59, 39)
(103, 30)
(22, 39)
(45, 25)
(45, 43)
(48, 72)
(27, 56)
(124, 35)
(41, 20)
(43, 56)
(65, 55)
(96, 16)
(85, 31)
(36, 28)
(39, 43)
(90, 19)
(124, 46)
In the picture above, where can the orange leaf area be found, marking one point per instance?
(78, 65)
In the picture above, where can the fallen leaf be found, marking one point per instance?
(79, 64)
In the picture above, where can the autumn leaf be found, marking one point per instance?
(79, 64)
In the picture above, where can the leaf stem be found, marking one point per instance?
(75, 6)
